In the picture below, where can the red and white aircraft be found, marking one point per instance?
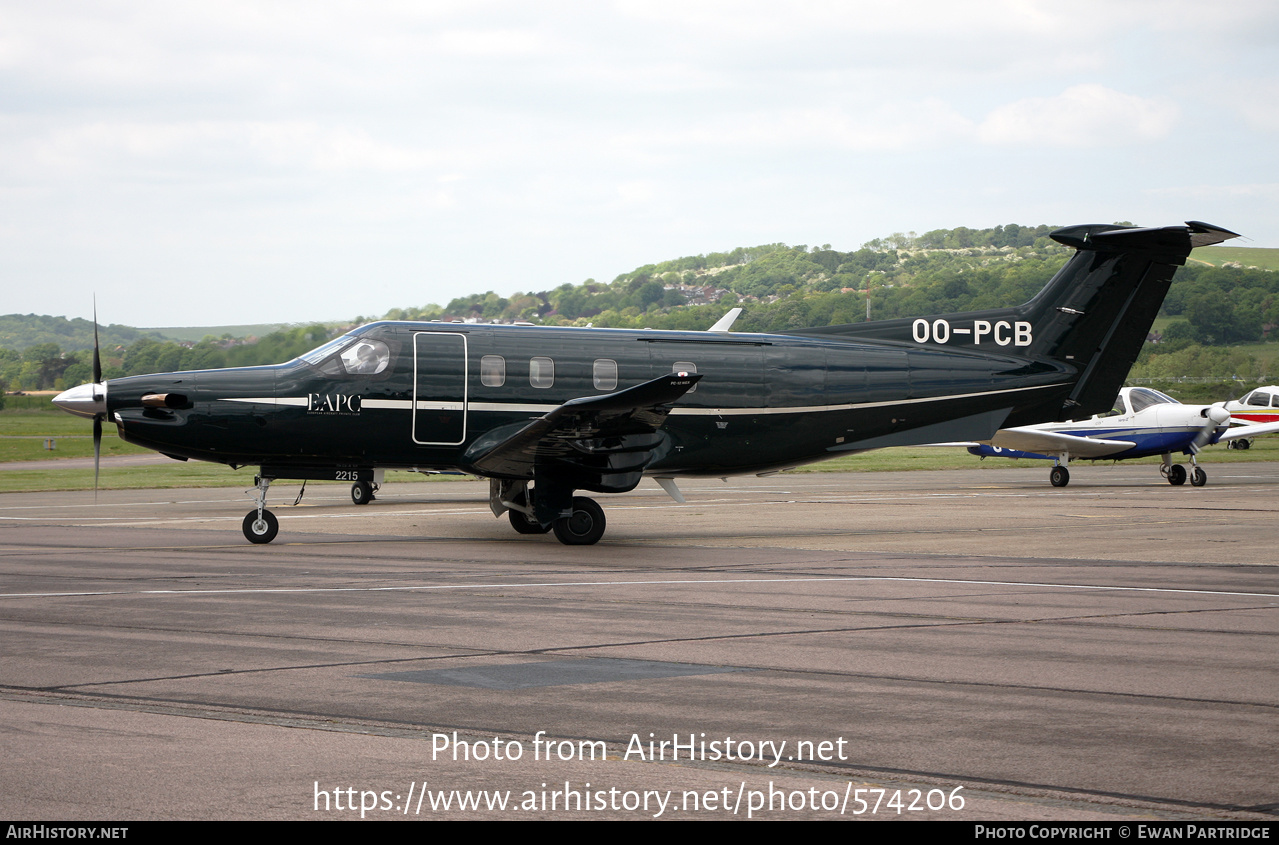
(1259, 406)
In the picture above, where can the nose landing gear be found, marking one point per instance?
(260, 525)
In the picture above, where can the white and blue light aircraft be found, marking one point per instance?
(1143, 422)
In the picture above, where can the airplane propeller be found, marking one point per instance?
(97, 418)
(90, 400)
(1217, 416)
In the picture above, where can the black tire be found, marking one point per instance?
(584, 527)
(1177, 475)
(1198, 478)
(1244, 443)
(522, 522)
(260, 531)
(1059, 476)
(525, 524)
(361, 492)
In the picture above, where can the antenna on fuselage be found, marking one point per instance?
(725, 323)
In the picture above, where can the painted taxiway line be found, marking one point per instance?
(1021, 585)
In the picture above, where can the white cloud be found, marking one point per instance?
(1081, 116)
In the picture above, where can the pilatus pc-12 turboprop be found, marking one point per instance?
(545, 412)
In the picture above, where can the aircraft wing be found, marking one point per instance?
(1031, 439)
(1238, 431)
(512, 450)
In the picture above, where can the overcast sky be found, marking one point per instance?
(213, 163)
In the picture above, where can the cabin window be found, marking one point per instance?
(541, 372)
(685, 367)
(492, 371)
(1259, 398)
(366, 357)
(605, 374)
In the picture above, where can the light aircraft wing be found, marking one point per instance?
(1238, 431)
(512, 450)
(1031, 439)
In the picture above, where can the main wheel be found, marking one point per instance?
(584, 527)
(1198, 478)
(361, 492)
(1060, 476)
(1177, 475)
(525, 524)
(260, 530)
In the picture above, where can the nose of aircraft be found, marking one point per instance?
(85, 400)
(1218, 414)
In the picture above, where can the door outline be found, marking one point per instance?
(420, 405)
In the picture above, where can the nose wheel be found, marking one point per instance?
(260, 527)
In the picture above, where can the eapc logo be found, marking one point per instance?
(332, 403)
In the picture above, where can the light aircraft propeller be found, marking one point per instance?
(1217, 416)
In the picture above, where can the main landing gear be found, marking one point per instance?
(1176, 474)
(1059, 476)
(584, 526)
(260, 525)
(581, 523)
(362, 492)
(522, 519)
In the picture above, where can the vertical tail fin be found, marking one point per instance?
(1091, 317)
(1097, 312)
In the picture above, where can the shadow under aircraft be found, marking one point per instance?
(546, 412)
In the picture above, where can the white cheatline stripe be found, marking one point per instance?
(552, 584)
(678, 410)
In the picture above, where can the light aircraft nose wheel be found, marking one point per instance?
(1198, 478)
(1177, 475)
(1059, 476)
(584, 527)
(361, 492)
(260, 529)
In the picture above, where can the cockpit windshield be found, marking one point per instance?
(350, 355)
(1142, 398)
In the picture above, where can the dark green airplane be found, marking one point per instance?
(544, 412)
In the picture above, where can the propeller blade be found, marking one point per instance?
(97, 355)
(1217, 416)
(97, 383)
(97, 451)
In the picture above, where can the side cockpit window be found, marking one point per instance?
(358, 356)
(366, 357)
